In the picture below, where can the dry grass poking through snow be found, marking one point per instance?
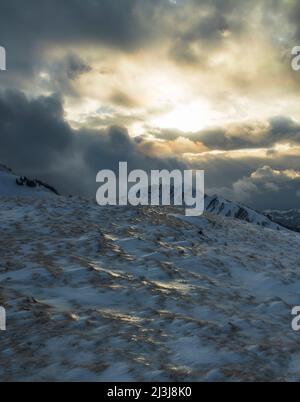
(144, 294)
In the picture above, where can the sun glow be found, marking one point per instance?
(188, 118)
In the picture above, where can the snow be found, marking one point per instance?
(9, 187)
(144, 294)
(220, 206)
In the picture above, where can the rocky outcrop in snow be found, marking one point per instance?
(12, 185)
(288, 218)
(220, 206)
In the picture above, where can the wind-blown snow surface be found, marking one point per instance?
(144, 294)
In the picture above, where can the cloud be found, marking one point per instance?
(267, 186)
(233, 176)
(133, 66)
(294, 18)
(32, 32)
(244, 188)
(120, 98)
(33, 132)
(61, 75)
(260, 134)
(206, 27)
(279, 129)
(36, 140)
(110, 21)
(155, 54)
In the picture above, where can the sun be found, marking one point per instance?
(191, 117)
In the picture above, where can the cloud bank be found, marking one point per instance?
(192, 83)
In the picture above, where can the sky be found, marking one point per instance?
(185, 84)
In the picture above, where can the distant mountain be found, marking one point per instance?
(12, 185)
(288, 218)
(217, 205)
(220, 206)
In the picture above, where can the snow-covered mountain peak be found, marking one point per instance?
(218, 205)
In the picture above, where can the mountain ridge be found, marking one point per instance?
(220, 206)
(289, 218)
(14, 185)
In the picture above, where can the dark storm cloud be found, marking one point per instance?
(75, 66)
(70, 21)
(191, 30)
(36, 140)
(28, 29)
(62, 74)
(223, 140)
(208, 22)
(267, 187)
(283, 129)
(261, 183)
(294, 15)
(32, 132)
(279, 130)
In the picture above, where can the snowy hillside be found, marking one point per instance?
(220, 206)
(9, 186)
(141, 294)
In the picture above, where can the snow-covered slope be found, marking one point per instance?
(220, 206)
(142, 294)
(10, 188)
